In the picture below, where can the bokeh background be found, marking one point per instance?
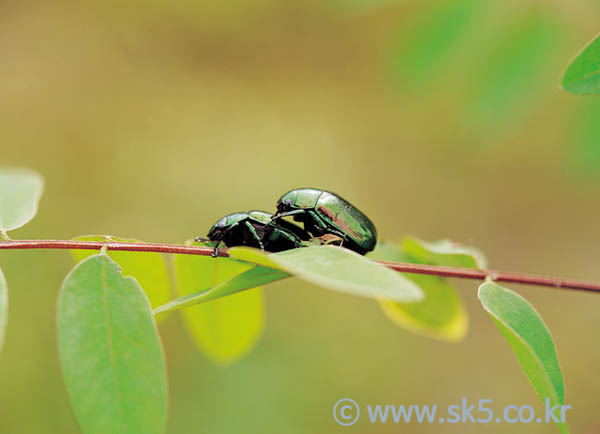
(437, 118)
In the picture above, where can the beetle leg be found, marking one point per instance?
(337, 233)
(255, 235)
(296, 230)
(291, 237)
(330, 239)
(288, 214)
(341, 236)
(323, 226)
(327, 229)
(215, 252)
(201, 239)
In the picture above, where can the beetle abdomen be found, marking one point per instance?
(348, 219)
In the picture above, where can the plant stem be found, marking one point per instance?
(433, 270)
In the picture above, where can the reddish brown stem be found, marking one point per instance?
(434, 270)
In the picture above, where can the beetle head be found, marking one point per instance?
(287, 201)
(217, 231)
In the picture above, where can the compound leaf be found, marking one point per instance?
(110, 352)
(20, 193)
(529, 338)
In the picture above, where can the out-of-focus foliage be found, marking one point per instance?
(585, 137)
(110, 351)
(530, 340)
(424, 48)
(3, 307)
(583, 73)
(441, 314)
(226, 328)
(506, 76)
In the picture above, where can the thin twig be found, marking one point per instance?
(433, 270)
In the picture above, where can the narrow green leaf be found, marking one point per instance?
(20, 193)
(441, 315)
(149, 269)
(582, 76)
(444, 252)
(529, 338)
(3, 308)
(342, 270)
(110, 352)
(225, 329)
(254, 277)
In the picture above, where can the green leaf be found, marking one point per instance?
(444, 252)
(149, 269)
(441, 315)
(3, 308)
(20, 193)
(254, 256)
(530, 340)
(228, 328)
(327, 266)
(340, 269)
(110, 352)
(582, 76)
(254, 277)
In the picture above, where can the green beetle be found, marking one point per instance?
(255, 229)
(324, 213)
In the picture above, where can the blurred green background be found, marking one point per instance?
(437, 118)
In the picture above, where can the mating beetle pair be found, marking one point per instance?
(324, 215)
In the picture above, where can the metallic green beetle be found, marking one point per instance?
(255, 229)
(326, 213)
